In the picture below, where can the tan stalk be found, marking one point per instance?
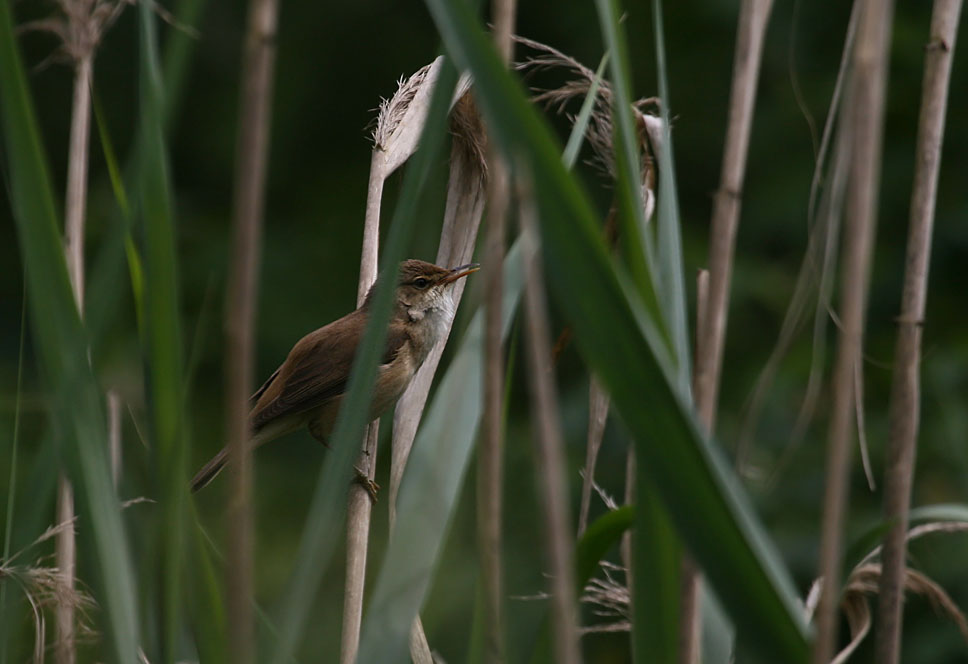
(906, 387)
(66, 556)
(75, 205)
(865, 112)
(249, 203)
(490, 476)
(753, 18)
(395, 139)
(690, 580)
(549, 452)
(865, 580)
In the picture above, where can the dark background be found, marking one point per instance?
(335, 62)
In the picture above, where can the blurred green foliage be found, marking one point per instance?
(335, 61)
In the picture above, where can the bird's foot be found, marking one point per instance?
(371, 487)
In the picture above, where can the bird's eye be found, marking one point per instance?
(421, 282)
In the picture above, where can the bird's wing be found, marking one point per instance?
(315, 372)
(254, 399)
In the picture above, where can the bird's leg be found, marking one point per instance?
(371, 487)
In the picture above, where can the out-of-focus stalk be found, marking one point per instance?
(549, 453)
(753, 18)
(906, 388)
(490, 476)
(864, 115)
(249, 204)
(75, 207)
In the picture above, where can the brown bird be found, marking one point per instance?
(308, 388)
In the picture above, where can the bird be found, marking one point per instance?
(307, 389)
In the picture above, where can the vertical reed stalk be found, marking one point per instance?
(75, 205)
(490, 450)
(753, 18)
(865, 113)
(906, 386)
(690, 580)
(397, 134)
(249, 205)
(66, 556)
(359, 505)
(490, 480)
(549, 452)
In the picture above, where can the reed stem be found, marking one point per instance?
(905, 408)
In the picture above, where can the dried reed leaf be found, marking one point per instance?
(599, 132)
(920, 531)
(400, 120)
(45, 588)
(864, 582)
(609, 598)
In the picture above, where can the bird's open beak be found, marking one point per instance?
(461, 271)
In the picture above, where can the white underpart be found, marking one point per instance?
(438, 310)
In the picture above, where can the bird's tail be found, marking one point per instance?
(210, 470)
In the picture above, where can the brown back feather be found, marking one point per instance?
(317, 369)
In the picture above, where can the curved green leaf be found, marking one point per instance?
(600, 536)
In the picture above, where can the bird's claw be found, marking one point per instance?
(371, 487)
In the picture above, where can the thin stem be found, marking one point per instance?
(66, 554)
(752, 29)
(359, 505)
(906, 387)
(690, 576)
(249, 204)
(490, 477)
(359, 509)
(490, 451)
(753, 18)
(550, 458)
(75, 203)
(74, 217)
(865, 122)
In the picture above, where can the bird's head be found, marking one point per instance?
(426, 289)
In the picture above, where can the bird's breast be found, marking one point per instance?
(392, 379)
